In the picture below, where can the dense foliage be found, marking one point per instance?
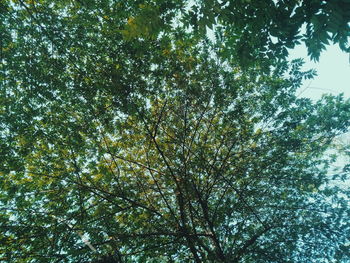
(128, 135)
(256, 30)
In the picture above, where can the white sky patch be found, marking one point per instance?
(333, 72)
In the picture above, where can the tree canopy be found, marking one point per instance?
(166, 131)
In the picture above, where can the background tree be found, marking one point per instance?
(125, 137)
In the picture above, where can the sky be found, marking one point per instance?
(333, 70)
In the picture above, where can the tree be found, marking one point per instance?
(127, 140)
(256, 30)
(251, 34)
